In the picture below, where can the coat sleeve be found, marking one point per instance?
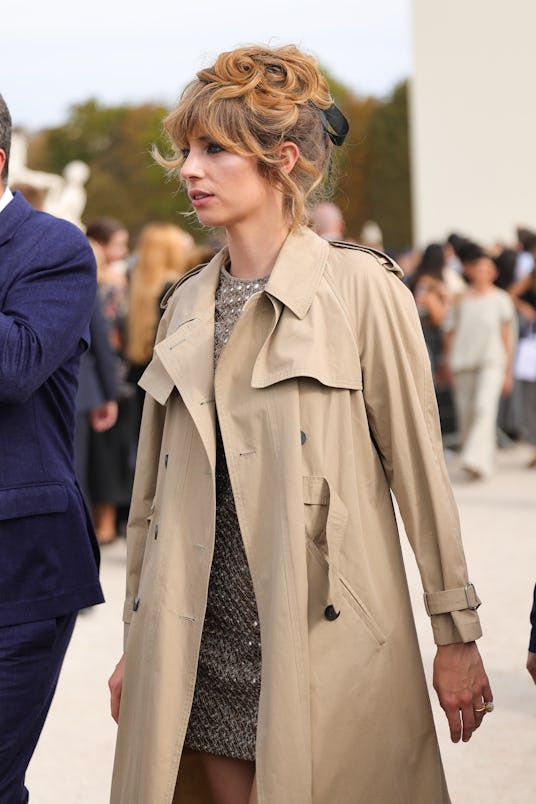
(403, 417)
(46, 310)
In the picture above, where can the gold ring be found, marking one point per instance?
(488, 707)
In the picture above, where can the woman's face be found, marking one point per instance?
(117, 246)
(226, 189)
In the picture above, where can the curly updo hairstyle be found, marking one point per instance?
(251, 101)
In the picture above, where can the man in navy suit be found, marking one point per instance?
(48, 551)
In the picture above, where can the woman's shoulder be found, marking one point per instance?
(171, 287)
(362, 258)
(355, 271)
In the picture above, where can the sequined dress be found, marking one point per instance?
(223, 720)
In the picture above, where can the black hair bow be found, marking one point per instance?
(335, 124)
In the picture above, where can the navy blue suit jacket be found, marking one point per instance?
(48, 551)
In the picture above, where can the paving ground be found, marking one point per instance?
(73, 762)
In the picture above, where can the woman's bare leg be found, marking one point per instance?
(231, 781)
(253, 794)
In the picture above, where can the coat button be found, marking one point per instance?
(330, 613)
(303, 437)
(136, 604)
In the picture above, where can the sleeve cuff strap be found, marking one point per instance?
(465, 597)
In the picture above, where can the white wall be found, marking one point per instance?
(473, 118)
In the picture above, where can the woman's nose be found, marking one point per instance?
(191, 167)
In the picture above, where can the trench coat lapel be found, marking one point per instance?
(187, 356)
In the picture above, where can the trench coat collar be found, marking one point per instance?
(294, 279)
(298, 270)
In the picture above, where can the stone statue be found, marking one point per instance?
(65, 196)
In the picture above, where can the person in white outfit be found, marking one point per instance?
(479, 346)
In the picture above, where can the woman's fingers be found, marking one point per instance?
(115, 685)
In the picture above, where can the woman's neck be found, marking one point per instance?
(253, 252)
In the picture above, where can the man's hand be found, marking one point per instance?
(103, 417)
(462, 687)
(531, 665)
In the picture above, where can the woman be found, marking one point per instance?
(431, 298)
(269, 629)
(162, 256)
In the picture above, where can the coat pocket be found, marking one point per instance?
(355, 605)
(33, 500)
(324, 544)
(362, 612)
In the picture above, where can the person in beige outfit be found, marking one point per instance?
(479, 350)
(268, 626)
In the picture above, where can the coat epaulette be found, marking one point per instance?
(384, 259)
(169, 293)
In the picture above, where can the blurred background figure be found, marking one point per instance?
(431, 298)
(96, 400)
(453, 244)
(526, 242)
(531, 658)
(479, 347)
(371, 236)
(163, 254)
(328, 221)
(111, 453)
(523, 293)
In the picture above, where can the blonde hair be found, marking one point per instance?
(251, 101)
(163, 255)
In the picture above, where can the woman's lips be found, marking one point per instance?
(199, 197)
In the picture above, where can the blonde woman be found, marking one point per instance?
(162, 256)
(269, 632)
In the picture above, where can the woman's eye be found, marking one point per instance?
(214, 148)
(184, 152)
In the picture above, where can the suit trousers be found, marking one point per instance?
(478, 392)
(31, 656)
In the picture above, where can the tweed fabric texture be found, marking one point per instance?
(223, 719)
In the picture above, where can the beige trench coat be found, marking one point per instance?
(325, 402)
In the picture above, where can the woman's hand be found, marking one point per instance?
(115, 685)
(462, 687)
(531, 665)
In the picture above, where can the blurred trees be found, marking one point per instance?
(371, 176)
(116, 142)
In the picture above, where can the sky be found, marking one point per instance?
(56, 53)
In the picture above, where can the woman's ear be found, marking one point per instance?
(289, 153)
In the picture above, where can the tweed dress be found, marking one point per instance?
(223, 719)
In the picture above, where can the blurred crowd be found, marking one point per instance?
(477, 308)
(131, 286)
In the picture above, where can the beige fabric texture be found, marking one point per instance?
(325, 403)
